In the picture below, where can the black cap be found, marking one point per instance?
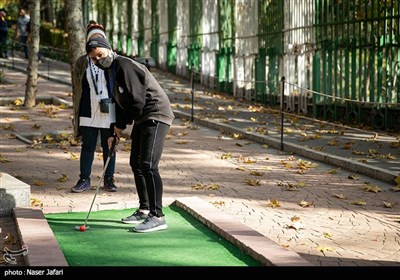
(98, 42)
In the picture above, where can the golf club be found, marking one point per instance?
(84, 227)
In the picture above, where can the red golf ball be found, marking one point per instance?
(82, 228)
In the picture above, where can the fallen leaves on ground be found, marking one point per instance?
(395, 188)
(273, 203)
(252, 182)
(73, 156)
(296, 225)
(387, 204)
(63, 178)
(211, 187)
(353, 177)
(304, 203)
(372, 188)
(4, 159)
(256, 173)
(218, 203)
(340, 196)
(324, 249)
(36, 202)
(38, 183)
(359, 202)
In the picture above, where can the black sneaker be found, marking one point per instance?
(136, 218)
(109, 185)
(81, 186)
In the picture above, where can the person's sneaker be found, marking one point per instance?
(109, 185)
(152, 223)
(136, 218)
(81, 186)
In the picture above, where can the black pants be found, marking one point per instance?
(147, 145)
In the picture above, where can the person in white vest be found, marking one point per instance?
(90, 93)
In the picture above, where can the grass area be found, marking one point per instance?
(108, 242)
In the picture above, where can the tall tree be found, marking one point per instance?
(33, 45)
(76, 34)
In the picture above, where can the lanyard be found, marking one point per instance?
(93, 80)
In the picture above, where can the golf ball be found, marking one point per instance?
(82, 228)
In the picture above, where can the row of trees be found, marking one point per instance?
(74, 28)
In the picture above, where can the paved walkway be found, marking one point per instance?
(328, 196)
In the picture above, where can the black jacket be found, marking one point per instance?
(138, 95)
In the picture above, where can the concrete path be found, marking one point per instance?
(314, 199)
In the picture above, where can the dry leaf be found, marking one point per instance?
(387, 204)
(226, 156)
(220, 203)
(198, 187)
(333, 171)
(360, 202)
(38, 183)
(256, 173)
(36, 202)
(240, 168)
(291, 187)
(324, 249)
(213, 187)
(395, 189)
(340, 196)
(273, 203)
(397, 180)
(304, 203)
(296, 225)
(252, 182)
(3, 159)
(372, 188)
(333, 143)
(295, 219)
(353, 177)
(63, 178)
(73, 156)
(17, 102)
(327, 235)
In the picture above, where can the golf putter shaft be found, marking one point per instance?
(110, 154)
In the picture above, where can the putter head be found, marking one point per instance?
(82, 228)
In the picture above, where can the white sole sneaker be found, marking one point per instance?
(132, 222)
(157, 228)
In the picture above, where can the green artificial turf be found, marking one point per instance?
(108, 242)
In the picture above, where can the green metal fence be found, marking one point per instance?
(356, 63)
(340, 58)
(226, 51)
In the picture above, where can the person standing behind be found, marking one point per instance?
(88, 92)
(141, 100)
(3, 34)
(22, 26)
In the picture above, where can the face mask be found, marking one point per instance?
(105, 62)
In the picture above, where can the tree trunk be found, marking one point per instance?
(76, 33)
(33, 45)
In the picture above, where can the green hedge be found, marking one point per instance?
(53, 37)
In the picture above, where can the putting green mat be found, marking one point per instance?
(108, 242)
